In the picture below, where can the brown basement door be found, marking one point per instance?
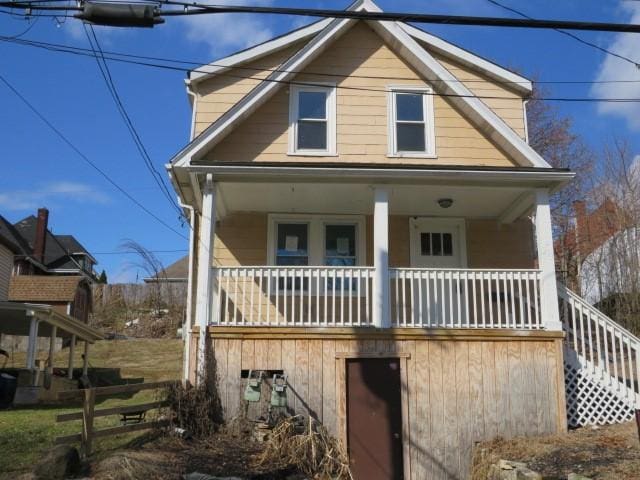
(374, 418)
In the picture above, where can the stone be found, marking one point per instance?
(577, 476)
(511, 465)
(527, 474)
(58, 463)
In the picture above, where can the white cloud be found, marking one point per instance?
(224, 32)
(51, 194)
(612, 68)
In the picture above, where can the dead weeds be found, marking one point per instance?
(170, 458)
(608, 453)
(306, 444)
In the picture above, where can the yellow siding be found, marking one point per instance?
(361, 115)
(241, 239)
(509, 104)
(218, 94)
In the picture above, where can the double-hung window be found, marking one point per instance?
(411, 129)
(312, 119)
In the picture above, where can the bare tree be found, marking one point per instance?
(551, 135)
(610, 275)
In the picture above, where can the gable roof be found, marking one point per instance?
(394, 33)
(178, 271)
(11, 239)
(472, 60)
(58, 248)
(44, 288)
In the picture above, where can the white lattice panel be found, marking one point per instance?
(593, 402)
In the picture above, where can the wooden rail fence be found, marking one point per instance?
(89, 413)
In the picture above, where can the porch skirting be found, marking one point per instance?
(459, 386)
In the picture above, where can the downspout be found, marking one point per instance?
(186, 332)
(193, 101)
(526, 120)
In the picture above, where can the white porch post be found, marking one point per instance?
(546, 263)
(381, 308)
(72, 349)
(204, 298)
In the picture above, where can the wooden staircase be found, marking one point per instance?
(601, 364)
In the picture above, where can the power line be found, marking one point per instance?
(570, 35)
(106, 75)
(84, 157)
(82, 52)
(194, 8)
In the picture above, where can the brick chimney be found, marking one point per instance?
(40, 241)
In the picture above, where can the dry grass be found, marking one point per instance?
(606, 453)
(195, 409)
(312, 451)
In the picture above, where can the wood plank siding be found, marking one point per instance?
(456, 390)
(368, 63)
(6, 265)
(241, 239)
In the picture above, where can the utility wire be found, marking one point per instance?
(85, 158)
(194, 8)
(106, 75)
(82, 52)
(570, 35)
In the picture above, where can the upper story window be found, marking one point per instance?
(411, 129)
(312, 120)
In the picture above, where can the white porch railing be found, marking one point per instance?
(293, 296)
(342, 296)
(464, 298)
(602, 364)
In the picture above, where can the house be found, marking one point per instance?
(7, 250)
(368, 219)
(54, 270)
(48, 254)
(177, 272)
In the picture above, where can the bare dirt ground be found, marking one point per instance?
(171, 458)
(607, 453)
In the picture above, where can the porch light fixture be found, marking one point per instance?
(445, 202)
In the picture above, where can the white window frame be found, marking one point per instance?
(317, 235)
(294, 91)
(429, 121)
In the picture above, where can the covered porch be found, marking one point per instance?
(371, 246)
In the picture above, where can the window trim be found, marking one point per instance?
(317, 235)
(429, 121)
(294, 91)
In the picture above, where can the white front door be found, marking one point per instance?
(439, 244)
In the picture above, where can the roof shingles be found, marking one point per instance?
(43, 288)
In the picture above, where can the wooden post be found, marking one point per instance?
(88, 407)
(381, 307)
(206, 304)
(85, 359)
(544, 242)
(72, 349)
(52, 347)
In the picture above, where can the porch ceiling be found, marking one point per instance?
(342, 198)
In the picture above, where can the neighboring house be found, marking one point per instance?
(361, 222)
(46, 253)
(67, 294)
(177, 272)
(7, 250)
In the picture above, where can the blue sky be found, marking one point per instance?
(37, 169)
